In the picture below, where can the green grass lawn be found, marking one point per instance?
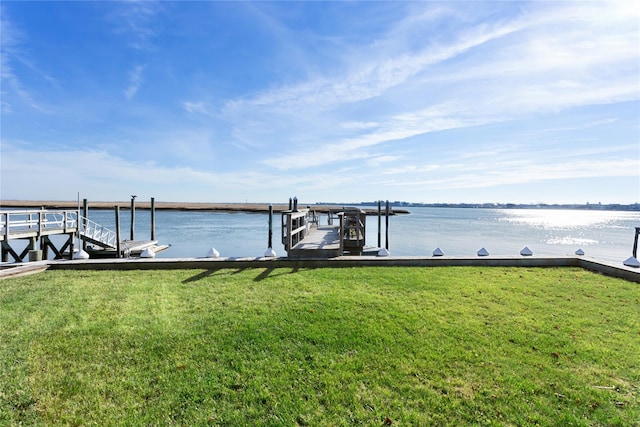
(353, 346)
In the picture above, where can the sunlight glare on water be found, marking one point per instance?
(549, 219)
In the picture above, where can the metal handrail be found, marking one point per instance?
(21, 221)
(41, 220)
(97, 232)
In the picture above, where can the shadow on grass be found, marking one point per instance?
(266, 273)
(209, 273)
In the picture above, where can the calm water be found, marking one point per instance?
(606, 235)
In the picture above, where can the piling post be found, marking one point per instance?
(85, 214)
(4, 251)
(270, 245)
(71, 246)
(290, 204)
(118, 251)
(635, 243)
(295, 204)
(379, 223)
(44, 247)
(133, 216)
(270, 252)
(386, 238)
(153, 218)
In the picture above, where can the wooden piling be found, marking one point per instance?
(85, 214)
(379, 223)
(133, 217)
(72, 247)
(270, 245)
(386, 239)
(153, 218)
(118, 252)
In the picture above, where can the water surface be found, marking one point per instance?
(607, 235)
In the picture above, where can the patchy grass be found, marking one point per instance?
(368, 346)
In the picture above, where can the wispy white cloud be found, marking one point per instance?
(487, 73)
(489, 176)
(448, 96)
(12, 52)
(135, 81)
(117, 176)
(366, 80)
(359, 125)
(380, 160)
(198, 107)
(435, 119)
(136, 19)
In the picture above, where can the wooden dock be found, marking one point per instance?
(128, 248)
(322, 241)
(304, 237)
(36, 227)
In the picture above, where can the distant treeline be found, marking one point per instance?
(587, 206)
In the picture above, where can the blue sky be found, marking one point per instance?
(454, 101)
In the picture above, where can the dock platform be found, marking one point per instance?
(128, 248)
(36, 226)
(304, 237)
(322, 241)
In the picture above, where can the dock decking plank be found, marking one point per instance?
(322, 241)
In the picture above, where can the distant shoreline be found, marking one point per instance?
(180, 206)
(396, 206)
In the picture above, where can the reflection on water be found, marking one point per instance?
(606, 235)
(550, 219)
(568, 240)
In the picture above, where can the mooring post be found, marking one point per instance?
(133, 216)
(386, 238)
(85, 214)
(72, 247)
(635, 243)
(270, 245)
(118, 252)
(290, 204)
(295, 204)
(153, 218)
(379, 223)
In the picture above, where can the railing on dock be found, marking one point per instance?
(21, 224)
(344, 233)
(97, 234)
(33, 224)
(295, 225)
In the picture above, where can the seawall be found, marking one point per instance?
(610, 269)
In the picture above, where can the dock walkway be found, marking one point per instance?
(304, 237)
(36, 227)
(322, 241)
